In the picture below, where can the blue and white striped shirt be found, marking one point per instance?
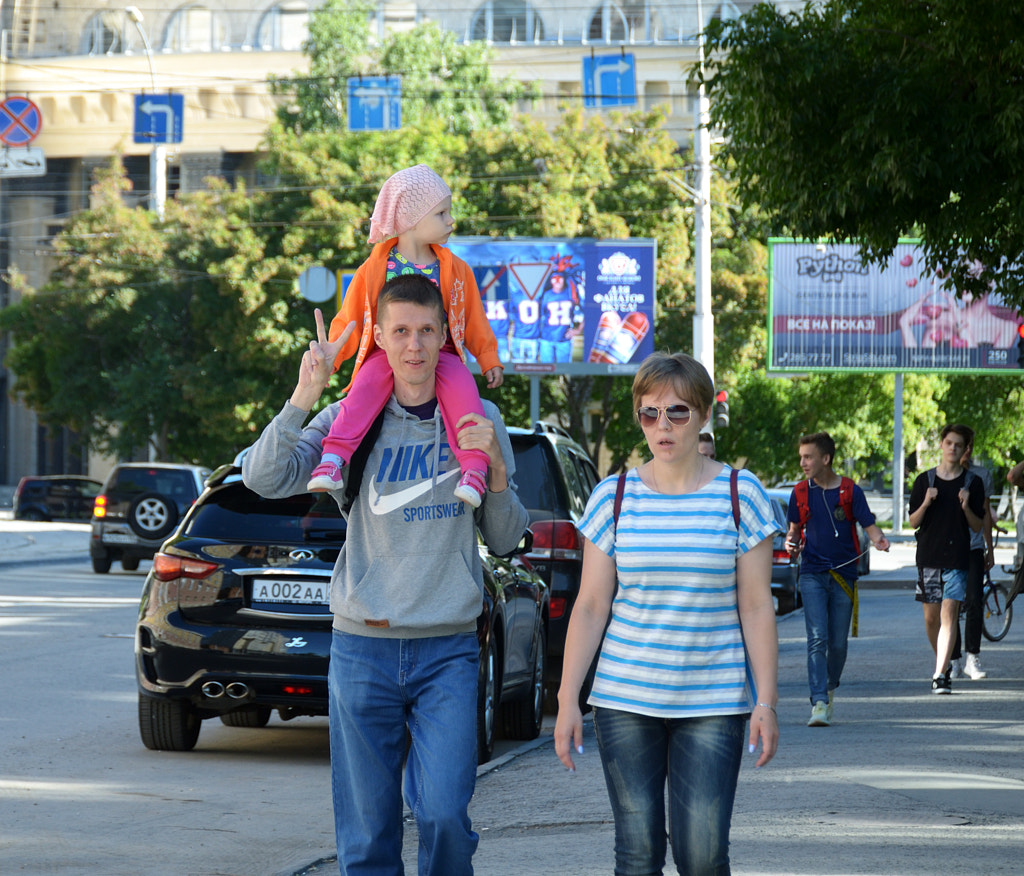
(674, 647)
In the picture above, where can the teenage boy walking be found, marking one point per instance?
(946, 506)
(823, 513)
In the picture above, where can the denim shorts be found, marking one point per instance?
(934, 585)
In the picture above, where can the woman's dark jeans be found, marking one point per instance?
(699, 759)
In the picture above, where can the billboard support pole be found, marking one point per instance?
(703, 321)
(534, 399)
(897, 456)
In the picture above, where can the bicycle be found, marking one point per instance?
(996, 613)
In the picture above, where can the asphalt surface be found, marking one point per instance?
(904, 782)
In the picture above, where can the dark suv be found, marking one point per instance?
(235, 623)
(55, 497)
(139, 506)
(555, 477)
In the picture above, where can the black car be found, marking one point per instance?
(234, 621)
(139, 506)
(554, 478)
(55, 497)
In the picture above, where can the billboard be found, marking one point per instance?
(829, 312)
(566, 306)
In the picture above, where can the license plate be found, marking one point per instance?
(117, 538)
(291, 592)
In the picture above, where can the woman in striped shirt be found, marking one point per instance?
(684, 569)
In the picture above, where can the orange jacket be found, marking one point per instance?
(468, 327)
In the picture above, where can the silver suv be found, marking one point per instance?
(141, 503)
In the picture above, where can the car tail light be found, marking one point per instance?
(781, 558)
(557, 608)
(99, 506)
(298, 690)
(555, 540)
(167, 567)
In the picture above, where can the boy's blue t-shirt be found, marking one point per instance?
(828, 536)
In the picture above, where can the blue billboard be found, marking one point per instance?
(569, 306)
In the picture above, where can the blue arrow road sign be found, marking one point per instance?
(609, 80)
(375, 103)
(159, 118)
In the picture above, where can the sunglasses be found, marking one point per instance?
(649, 415)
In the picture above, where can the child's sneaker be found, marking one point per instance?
(326, 478)
(471, 488)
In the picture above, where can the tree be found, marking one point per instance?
(154, 333)
(872, 120)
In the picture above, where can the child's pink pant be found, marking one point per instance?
(374, 382)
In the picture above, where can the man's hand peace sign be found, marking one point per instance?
(317, 361)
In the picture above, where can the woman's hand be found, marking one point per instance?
(764, 728)
(568, 733)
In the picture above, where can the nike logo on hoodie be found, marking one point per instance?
(386, 504)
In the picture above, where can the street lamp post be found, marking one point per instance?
(703, 321)
(158, 156)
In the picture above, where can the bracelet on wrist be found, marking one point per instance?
(769, 707)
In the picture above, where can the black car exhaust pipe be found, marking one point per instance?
(213, 689)
(237, 691)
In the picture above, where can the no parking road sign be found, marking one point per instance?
(20, 121)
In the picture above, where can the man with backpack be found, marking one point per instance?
(406, 591)
(947, 504)
(823, 514)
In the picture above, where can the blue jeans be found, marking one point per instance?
(700, 760)
(379, 688)
(827, 614)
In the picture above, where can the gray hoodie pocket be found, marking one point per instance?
(415, 591)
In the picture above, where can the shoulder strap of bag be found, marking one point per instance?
(846, 486)
(803, 505)
(620, 488)
(354, 480)
(734, 493)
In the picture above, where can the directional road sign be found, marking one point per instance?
(23, 161)
(609, 80)
(375, 103)
(159, 118)
(20, 121)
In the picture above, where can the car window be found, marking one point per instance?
(238, 514)
(176, 484)
(577, 499)
(534, 484)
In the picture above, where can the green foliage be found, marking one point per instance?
(870, 120)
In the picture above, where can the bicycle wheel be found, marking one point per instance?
(997, 614)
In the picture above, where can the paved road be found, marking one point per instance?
(903, 783)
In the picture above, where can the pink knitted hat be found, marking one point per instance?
(404, 199)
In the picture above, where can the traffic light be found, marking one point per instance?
(1020, 345)
(722, 409)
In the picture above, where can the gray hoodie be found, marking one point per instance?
(410, 567)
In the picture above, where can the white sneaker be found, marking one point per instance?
(956, 668)
(972, 668)
(819, 715)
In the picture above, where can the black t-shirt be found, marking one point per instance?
(944, 538)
